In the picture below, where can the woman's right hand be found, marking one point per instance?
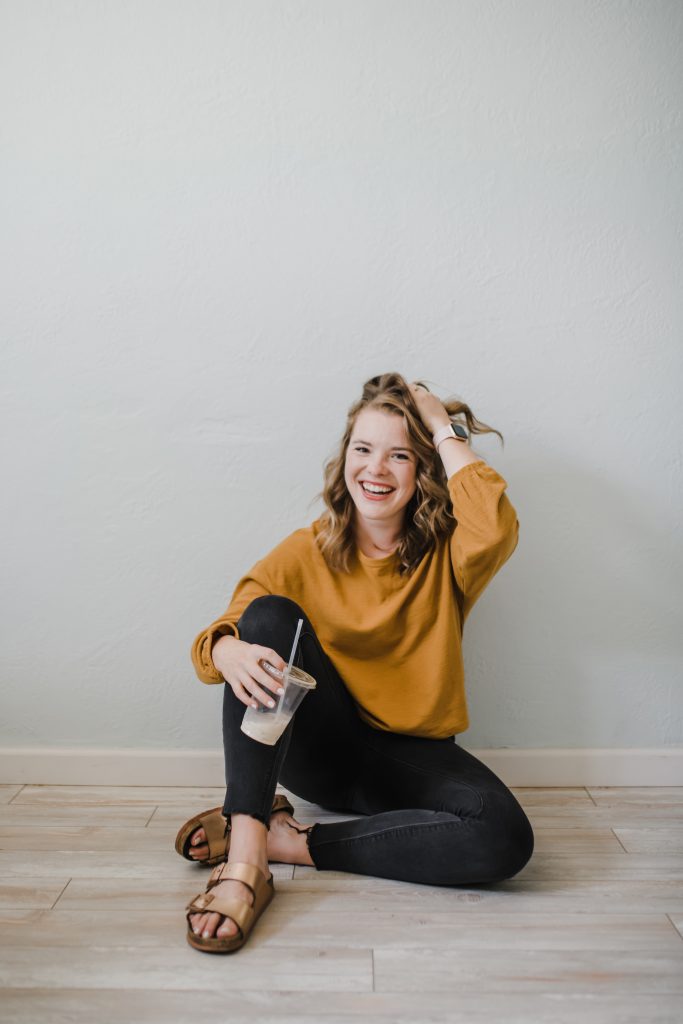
(240, 665)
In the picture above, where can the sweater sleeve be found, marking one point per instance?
(487, 529)
(254, 584)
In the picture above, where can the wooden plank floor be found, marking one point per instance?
(92, 897)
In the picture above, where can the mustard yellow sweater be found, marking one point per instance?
(395, 641)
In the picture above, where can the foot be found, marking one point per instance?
(284, 845)
(207, 925)
(287, 841)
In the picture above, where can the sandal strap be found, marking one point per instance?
(216, 829)
(247, 873)
(237, 910)
(309, 828)
(215, 876)
(281, 803)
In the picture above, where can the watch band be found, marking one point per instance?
(451, 429)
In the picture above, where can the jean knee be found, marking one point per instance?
(510, 839)
(265, 612)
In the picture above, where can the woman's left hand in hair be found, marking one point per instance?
(431, 409)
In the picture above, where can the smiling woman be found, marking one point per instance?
(415, 527)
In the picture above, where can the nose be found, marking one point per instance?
(376, 466)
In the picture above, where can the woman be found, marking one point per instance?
(416, 526)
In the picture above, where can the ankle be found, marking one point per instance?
(247, 831)
(299, 838)
(249, 850)
(252, 853)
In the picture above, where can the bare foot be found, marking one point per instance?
(284, 844)
(287, 841)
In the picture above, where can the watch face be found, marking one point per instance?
(459, 431)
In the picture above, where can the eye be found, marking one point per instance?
(397, 455)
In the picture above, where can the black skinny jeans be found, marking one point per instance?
(433, 813)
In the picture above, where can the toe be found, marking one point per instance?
(196, 922)
(227, 929)
(209, 926)
(199, 852)
(198, 848)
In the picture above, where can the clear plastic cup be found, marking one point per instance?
(268, 724)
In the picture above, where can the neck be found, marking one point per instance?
(379, 537)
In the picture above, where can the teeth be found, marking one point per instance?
(376, 490)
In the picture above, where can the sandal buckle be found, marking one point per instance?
(203, 901)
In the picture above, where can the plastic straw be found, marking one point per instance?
(296, 641)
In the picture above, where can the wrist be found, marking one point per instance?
(437, 424)
(222, 642)
(455, 455)
(450, 431)
(219, 645)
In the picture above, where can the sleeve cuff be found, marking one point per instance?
(201, 651)
(470, 465)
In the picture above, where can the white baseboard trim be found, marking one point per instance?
(534, 767)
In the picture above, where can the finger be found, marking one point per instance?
(256, 693)
(267, 681)
(262, 695)
(275, 675)
(272, 657)
(243, 694)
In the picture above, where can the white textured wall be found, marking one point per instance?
(219, 218)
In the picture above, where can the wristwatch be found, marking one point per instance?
(451, 429)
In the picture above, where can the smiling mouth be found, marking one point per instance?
(376, 494)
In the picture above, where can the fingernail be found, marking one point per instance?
(280, 690)
(206, 935)
(271, 703)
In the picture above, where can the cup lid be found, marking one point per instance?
(302, 678)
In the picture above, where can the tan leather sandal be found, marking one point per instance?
(239, 911)
(217, 829)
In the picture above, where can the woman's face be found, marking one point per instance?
(380, 453)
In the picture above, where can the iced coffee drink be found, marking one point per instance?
(266, 725)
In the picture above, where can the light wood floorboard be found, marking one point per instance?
(92, 899)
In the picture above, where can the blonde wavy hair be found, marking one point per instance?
(428, 517)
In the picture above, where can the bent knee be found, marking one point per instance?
(508, 845)
(265, 611)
